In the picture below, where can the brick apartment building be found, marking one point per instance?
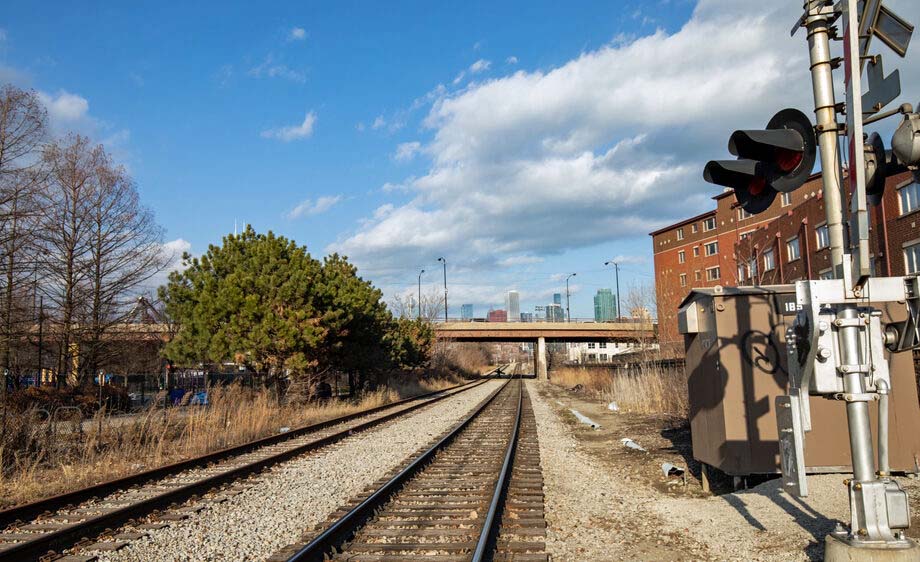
(786, 243)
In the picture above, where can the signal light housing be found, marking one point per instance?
(778, 159)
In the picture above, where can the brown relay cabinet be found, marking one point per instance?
(735, 345)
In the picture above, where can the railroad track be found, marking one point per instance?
(41, 529)
(476, 494)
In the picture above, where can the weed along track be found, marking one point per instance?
(475, 494)
(81, 521)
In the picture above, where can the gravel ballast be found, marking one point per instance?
(602, 504)
(279, 505)
(590, 513)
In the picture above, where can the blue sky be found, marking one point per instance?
(520, 140)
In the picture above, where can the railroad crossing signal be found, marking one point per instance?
(778, 159)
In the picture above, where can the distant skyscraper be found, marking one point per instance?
(497, 316)
(466, 312)
(605, 306)
(557, 298)
(513, 306)
(554, 313)
(527, 317)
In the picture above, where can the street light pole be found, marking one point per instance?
(444, 261)
(616, 268)
(420, 293)
(568, 312)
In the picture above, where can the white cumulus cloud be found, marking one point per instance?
(293, 132)
(65, 107)
(606, 146)
(309, 207)
(297, 34)
(406, 151)
(480, 66)
(270, 68)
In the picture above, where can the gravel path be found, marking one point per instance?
(285, 501)
(591, 513)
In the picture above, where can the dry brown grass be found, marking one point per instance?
(646, 390)
(42, 459)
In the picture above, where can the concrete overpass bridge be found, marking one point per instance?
(542, 332)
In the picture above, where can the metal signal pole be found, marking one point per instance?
(420, 293)
(837, 343)
(616, 269)
(442, 260)
(817, 24)
(568, 312)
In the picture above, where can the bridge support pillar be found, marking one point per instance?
(539, 359)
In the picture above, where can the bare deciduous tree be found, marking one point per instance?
(72, 165)
(124, 251)
(23, 126)
(407, 306)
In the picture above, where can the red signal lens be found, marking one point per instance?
(788, 160)
(757, 185)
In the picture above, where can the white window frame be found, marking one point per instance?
(706, 227)
(694, 228)
(683, 279)
(715, 248)
(785, 199)
(698, 275)
(710, 276)
(682, 257)
(743, 215)
(798, 248)
(769, 260)
(680, 233)
(912, 257)
(909, 198)
(826, 274)
(822, 241)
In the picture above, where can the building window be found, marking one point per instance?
(741, 272)
(603, 357)
(792, 249)
(592, 357)
(752, 268)
(912, 258)
(712, 248)
(681, 256)
(709, 224)
(826, 274)
(680, 233)
(822, 236)
(693, 228)
(712, 274)
(697, 275)
(768, 261)
(786, 199)
(910, 198)
(742, 214)
(683, 279)
(591, 345)
(696, 251)
(602, 345)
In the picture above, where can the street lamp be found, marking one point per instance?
(420, 293)
(568, 312)
(444, 261)
(616, 267)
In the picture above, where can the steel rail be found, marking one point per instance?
(490, 527)
(345, 526)
(66, 537)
